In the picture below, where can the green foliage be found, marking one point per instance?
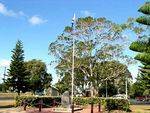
(143, 46)
(111, 88)
(136, 90)
(68, 29)
(145, 8)
(38, 77)
(110, 103)
(143, 20)
(146, 92)
(96, 40)
(113, 70)
(17, 76)
(62, 87)
(143, 57)
(117, 104)
(140, 46)
(1, 87)
(88, 100)
(33, 100)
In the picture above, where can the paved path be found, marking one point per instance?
(44, 110)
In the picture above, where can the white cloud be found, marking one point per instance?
(36, 20)
(7, 12)
(87, 13)
(4, 63)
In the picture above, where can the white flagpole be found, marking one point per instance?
(72, 91)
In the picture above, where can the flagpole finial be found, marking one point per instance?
(74, 18)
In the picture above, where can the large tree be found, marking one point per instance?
(142, 46)
(96, 40)
(38, 77)
(17, 76)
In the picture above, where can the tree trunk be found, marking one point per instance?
(18, 92)
(91, 88)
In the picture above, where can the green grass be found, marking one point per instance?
(140, 108)
(7, 103)
(7, 100)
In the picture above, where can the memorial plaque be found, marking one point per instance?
(65, 99)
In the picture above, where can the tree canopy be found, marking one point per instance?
(38, 77)
(17, 73)
(142, 46)
(96, 40)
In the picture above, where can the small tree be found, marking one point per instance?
(39, 79)
(17, 80)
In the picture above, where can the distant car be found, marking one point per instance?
(120, 96)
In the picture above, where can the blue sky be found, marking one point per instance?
(38, 22)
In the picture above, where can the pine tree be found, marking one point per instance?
(17, 77)
(142, 46)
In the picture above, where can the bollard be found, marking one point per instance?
(25, 105)
(54, 103)
(40, 105)
(72, 107)
(99, 107)
(91, 107)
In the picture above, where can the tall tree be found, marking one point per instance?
(96, 40)
(17, 76)
(142, 45)
(39, 79)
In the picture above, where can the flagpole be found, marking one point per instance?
(72, 83)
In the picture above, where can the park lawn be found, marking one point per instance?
(7, 103)
(5, 95)
(140, 108)
(8, 99)
(8, 95)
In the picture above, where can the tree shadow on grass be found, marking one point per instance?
(147, 109)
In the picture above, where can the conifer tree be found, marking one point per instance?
(142, 45)
(17, 77)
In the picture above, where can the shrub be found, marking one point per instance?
(87, 100)
(33, 100)
(117, 104)
(110, 104)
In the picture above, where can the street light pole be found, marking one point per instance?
(72, 83)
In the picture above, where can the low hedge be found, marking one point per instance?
(33, 100)
(88, 100)
(117, 104)
(109, 103)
